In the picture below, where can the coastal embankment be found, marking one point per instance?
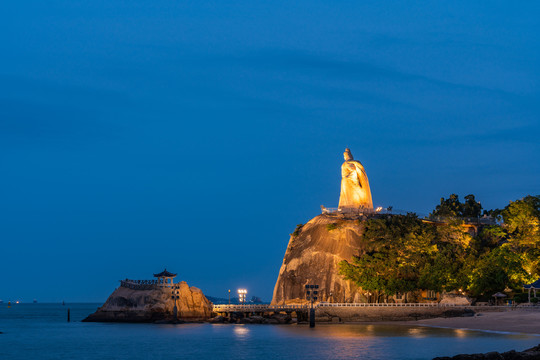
(406, 313)
(388, 313)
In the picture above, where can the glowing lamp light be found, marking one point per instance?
(242, 294)
(379, 209)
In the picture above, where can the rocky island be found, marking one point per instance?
(318, 250)
(158, 300)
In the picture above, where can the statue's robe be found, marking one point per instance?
(355, 192)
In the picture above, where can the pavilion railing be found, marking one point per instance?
(143, 284)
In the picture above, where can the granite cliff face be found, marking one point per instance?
(312, 257)
(129, 305)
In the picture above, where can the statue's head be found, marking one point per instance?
(347, 155)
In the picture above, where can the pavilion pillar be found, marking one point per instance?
(165, 278)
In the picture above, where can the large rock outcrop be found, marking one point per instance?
(312, 257)
(529, 354)
(130, 305)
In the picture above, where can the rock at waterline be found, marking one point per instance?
(239, 318)
(529, 354)
(153, 305)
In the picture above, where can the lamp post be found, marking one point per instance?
(229, 296)
(175, 296)
(242, 293)
(312, 294)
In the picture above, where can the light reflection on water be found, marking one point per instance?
(417, 332)
(241, 332)
(41, 331)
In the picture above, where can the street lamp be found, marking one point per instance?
(312, 294)
(242, 293)
(175, 296)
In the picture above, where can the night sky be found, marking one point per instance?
(195, 135)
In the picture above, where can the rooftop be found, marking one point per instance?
(534, 285)
(165, 273)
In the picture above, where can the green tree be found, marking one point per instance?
(454, 208)
(522, 222)
(442, 271)
(522, 226)
(398, 247)
(496, 270)
(448, 208)
(404, 254)
(488, 238)
(471, 208)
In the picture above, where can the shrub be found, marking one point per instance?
(331, 227)
(534, 300)
(296, 231)
(521, 297)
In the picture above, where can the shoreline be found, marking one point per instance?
(513, 322)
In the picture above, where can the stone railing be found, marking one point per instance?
(256, 308)
(143, 284)
(261, 307)
(430, 304)
(278, 308)
(347, 211)
(466, 220)
(392, 211)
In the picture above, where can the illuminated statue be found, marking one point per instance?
(355, 192)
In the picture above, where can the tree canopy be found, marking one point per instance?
(405, 253)
(454, 208)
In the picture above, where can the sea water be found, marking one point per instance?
(41, 331)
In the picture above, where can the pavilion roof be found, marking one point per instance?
(165, 273)
(534, 285)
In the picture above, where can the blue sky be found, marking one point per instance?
(195, 135)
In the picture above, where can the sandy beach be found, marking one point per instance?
(518, 321)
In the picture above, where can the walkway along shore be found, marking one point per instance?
(506, 318)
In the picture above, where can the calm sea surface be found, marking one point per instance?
(40, 331)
